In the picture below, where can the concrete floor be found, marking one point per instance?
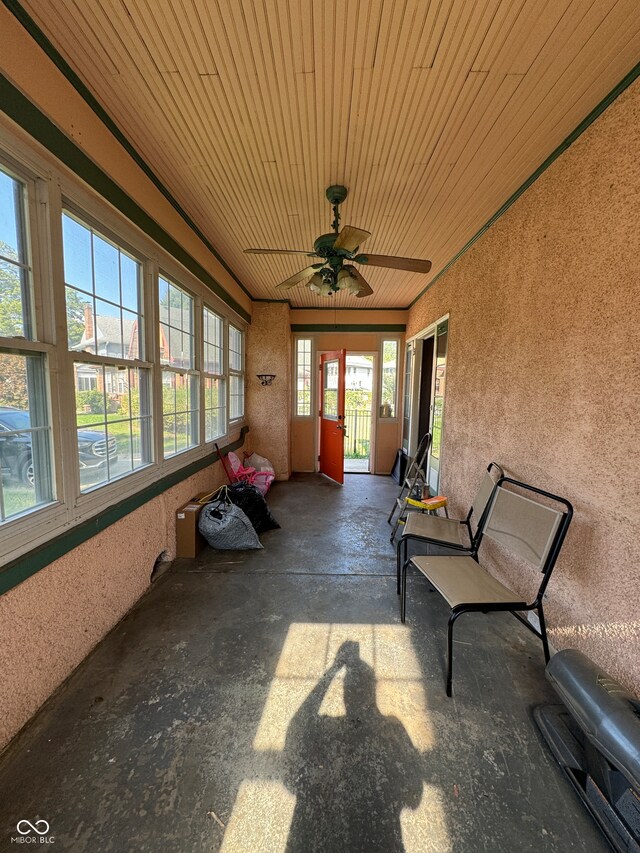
(272, 701)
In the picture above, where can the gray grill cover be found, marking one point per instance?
(607, 713)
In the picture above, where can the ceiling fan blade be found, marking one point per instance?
(350, 238)
(365, 287)
(408, 264)
(277, 252)
(295, 279)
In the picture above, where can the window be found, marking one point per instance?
(105, 332)
(236, 373)
(406, 415)
(180, 408)
(70, 449)
(215, 397)
(26, 458)
(103, 293)
(303, 377)
(330, 390)
(389, 386)
(113, 422)
(16, 317)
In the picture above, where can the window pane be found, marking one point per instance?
(10, 218)
(235, 349)
(236, 397)
(15, 295)
(214, 408)
(303, 377)
(129, 280)
(25, 435)
(389, 379)
(213, 348)
(180, 412)
(104, 314)
(106, 270)
(78, 267)
(176, 326)
(330, 390)
(113, 422)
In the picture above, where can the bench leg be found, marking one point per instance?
(452, 619)
(401, 556)
(543, 634)
(403, 595)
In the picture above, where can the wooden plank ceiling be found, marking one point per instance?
(431, 112)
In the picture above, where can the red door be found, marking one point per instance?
(332, 425)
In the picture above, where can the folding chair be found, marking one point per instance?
(414, 479)
(532, 530)
(450, 533)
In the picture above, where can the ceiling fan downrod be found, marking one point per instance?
(336, 194)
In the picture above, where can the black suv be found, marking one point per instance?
(15, 448)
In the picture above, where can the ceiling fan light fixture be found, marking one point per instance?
(315, 282)
(344, 279)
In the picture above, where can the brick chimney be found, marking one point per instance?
(88, 321)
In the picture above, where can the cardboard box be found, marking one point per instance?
(189, 540)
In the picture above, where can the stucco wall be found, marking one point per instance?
(51, 621)
(544, 374)
(269, 406)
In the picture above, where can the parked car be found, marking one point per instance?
(15, 449)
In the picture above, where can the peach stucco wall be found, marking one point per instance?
(544, 374)
(51, 621)
(269, 406)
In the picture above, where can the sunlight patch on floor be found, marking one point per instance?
(309, 650)
(261, 818)
(264, 810)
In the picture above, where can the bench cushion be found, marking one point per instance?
(444, 530)
(460, 580)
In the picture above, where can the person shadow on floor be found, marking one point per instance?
(351, 775)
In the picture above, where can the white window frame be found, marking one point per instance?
(394, 418)
(312, 378)
(223, 376)
(192, 373)
(240, 373)
(35, 209)
(50, 187)
(77, 357)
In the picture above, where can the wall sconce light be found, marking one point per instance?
(266, 378)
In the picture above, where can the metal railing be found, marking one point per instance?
(358, 442)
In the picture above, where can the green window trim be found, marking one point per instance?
(23, 567)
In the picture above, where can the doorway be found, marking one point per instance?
(360, 372)
(425, 381)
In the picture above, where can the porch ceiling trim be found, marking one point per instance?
(348, 327)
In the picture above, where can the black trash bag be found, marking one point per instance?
(251, 501)
(226, 527)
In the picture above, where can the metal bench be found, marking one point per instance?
(532, 530)
(450, 533)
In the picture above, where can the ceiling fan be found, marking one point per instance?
(332, 274)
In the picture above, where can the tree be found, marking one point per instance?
(13, 381)
(14, 300)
